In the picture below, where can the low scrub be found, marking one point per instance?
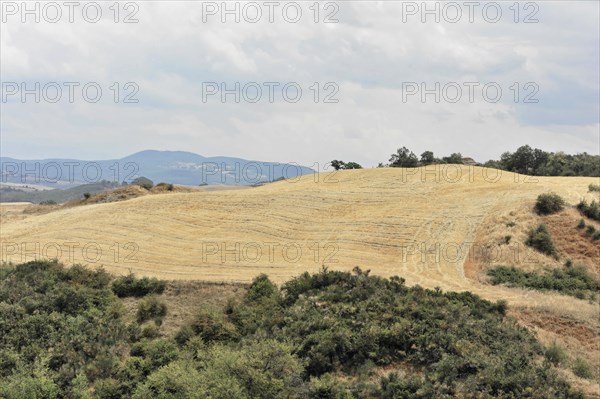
(151, 308)
(541, 240)
(575, 281)
(591, 210)
(582, 369)
(130, 285)
(63, 334)
(548, 203)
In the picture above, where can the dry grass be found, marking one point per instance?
(184, 298)
(579, 339)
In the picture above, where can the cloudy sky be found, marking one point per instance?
(369, 73)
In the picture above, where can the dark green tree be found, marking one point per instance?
(427, 158)
(404, 158)
(337, 164)
(455, 158)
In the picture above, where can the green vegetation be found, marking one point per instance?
(555, 354)
(594, 187)
(541, 240)
(87, 196)
(549, 203)
(581, 224)
(591, 211)
(126, 286)
(151, 308)
(404, 158)
(582, 369)
(337, 165)
(575, 280)
(525, 160)
(63, 335)
(536, 162)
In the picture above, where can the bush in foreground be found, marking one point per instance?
(130, 285)
(63, 334)
(549, 203)
(541, 240)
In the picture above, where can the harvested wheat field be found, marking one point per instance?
(424, 224)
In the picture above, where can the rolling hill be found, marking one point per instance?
(434, 226)
(429, 227)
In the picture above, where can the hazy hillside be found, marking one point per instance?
(178, 167)
(8, 194)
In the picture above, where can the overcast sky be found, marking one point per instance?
(372, 63)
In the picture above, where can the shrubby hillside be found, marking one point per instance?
(64, 332)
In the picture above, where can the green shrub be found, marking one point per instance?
(582, 369)
(185, 333)
(591, 211)
(178, 380)
(212, 325)
(581, 224)
(261, 288)
(87, 196)
(548, 203)
(151, 308)
(22, 385)
(541, 240)
(150, 331)
(596, 236)
(590, 230)
(594, 187)
(108, 389)
(507, 239)
(127, 286)
(555, 354)
(327, 387)
(572, 280)
(156, 353)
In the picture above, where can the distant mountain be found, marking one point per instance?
(178, 167)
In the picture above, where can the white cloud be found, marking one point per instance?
(369, 53)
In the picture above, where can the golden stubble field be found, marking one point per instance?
(423, 224)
